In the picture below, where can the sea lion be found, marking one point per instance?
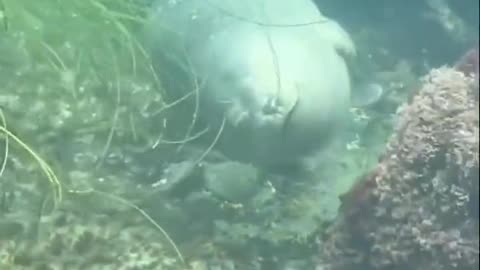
(274, 73)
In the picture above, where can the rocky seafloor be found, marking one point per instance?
(419, 208)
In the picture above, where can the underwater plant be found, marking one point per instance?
(77, 94)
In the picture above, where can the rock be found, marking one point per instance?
(232, 181)
(418, 209)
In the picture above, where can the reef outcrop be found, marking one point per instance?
(419, 208)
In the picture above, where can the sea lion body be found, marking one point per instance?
(277, 81)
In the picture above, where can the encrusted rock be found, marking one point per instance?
(418, 209)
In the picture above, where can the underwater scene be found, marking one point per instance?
(239, 135)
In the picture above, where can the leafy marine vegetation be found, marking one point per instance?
(91, 179)
(76, 85)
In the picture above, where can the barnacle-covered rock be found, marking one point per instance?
(418, 209)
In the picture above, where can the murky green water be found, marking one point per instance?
(108, 164)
